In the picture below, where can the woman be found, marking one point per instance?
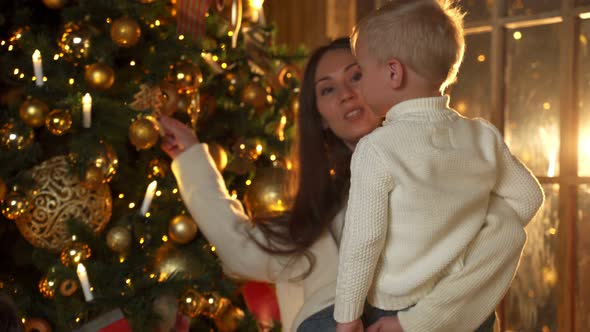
(301, 258)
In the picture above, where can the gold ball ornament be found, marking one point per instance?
(74, 252)
(191, 303)
(125, 32)
(15, 205)
(58, 122)
(254, 95)
(219, 155)
(32, 111)
(55, 4)
(93, 177)
(158, 168)
(37, 325)
(99, 76)
(47, 286)
(106, 160)
(269, 195)
(186, 76)
(119, 239)
(15, 136)
(57, 197)
(169, 260)
(182, 229)
(169, 98)
(143, 133)
(75, 41)
(216, 305)
(230, 320)
(2, 190)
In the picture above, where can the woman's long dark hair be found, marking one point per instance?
(322, 173)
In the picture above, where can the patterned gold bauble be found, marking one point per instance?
(74, 252)
(99, 76)
(125, 32)
(171, 260)
(37, 325)
(68, 287)
(15, 205)
(254, 95)
(2, 190)
(15, 136)
(143, 133)
(230, 320)
(93, 177)
(75, 41)
(169, 98)
(57, 197)
(216, 305)
(158, 168)
(119, 239)
(32, 111)
(191, 303)
(186, 76)
(58, 122)
(182, 229)
(269, 195)
(47, 286)
(55, 4)
(219, 155)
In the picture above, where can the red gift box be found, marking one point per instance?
(112, 321)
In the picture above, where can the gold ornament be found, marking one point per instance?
(15, 205)
(169, 98)
(33, 112)
(58, 122)
(171, 260)
(2, 190)
(158, 168)
(219, 155)
(143, 133)
(55, 4)
(74, 252)
(15, 136)
(186, 76)
(58, 197)
(99, 76)
(269, 194)
(75, 41)
(37, 325)
(106, 160)
(119, 239)
(125, 32)
(182, 229)
(93, 177)
(287, 76)
(230, 320)
(216, 305)
(47, 286)
(254, 95)
(68, 287)
(191, 303)
(148, 97)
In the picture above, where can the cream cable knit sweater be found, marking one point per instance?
(458, 303)
(420, 188)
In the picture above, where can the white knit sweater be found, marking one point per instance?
(419, 195)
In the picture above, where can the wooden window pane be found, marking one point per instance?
(583, 73)
(477, 10)
(531, 302)
(583, 260)
(531, 7)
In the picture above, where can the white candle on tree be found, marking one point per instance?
(147, 200)
(86, 111)
(38, 68)
(83, 276)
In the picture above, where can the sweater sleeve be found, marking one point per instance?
(516, 183)
(223, 221)
(364, 233)
(461, 301)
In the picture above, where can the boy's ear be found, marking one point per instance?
(395, 70)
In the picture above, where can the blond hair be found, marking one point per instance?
(426, 35)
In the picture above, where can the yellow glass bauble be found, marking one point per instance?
(32, 112)
(125, 32)
(191, 303)
(55, 4)
(119, 239)
(37, 325)
(182, 229)
(143, 133)
(74, 253)
(99, 76)
(254, 95)
(186, 76)
(230, 320)
(219, 155)
(15, 205)
(47, 286)
(2, 190)
(58, 122)
(15, 136)
(269, 195)
(57, 197)
(170, 260)
(75, 41)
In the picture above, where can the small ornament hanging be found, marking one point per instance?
(254, 95)
(15, 205)
(119, 239)
(143, 133)
(147, 98)
(58, 122)
(15, 136)
(32, 111)
(182, 229)
(75, 41)
(186, 76)
(99, 76)
(125, 32)
(74, 253)
(191, 303)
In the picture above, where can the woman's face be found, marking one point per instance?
(338, 97)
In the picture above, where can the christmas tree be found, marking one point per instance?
(91, 216)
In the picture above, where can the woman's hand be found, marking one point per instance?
(354, 326)
(177, 136)
(386, 324)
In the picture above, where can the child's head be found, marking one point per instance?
(422, 38)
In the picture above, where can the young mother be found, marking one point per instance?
(301, 253)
